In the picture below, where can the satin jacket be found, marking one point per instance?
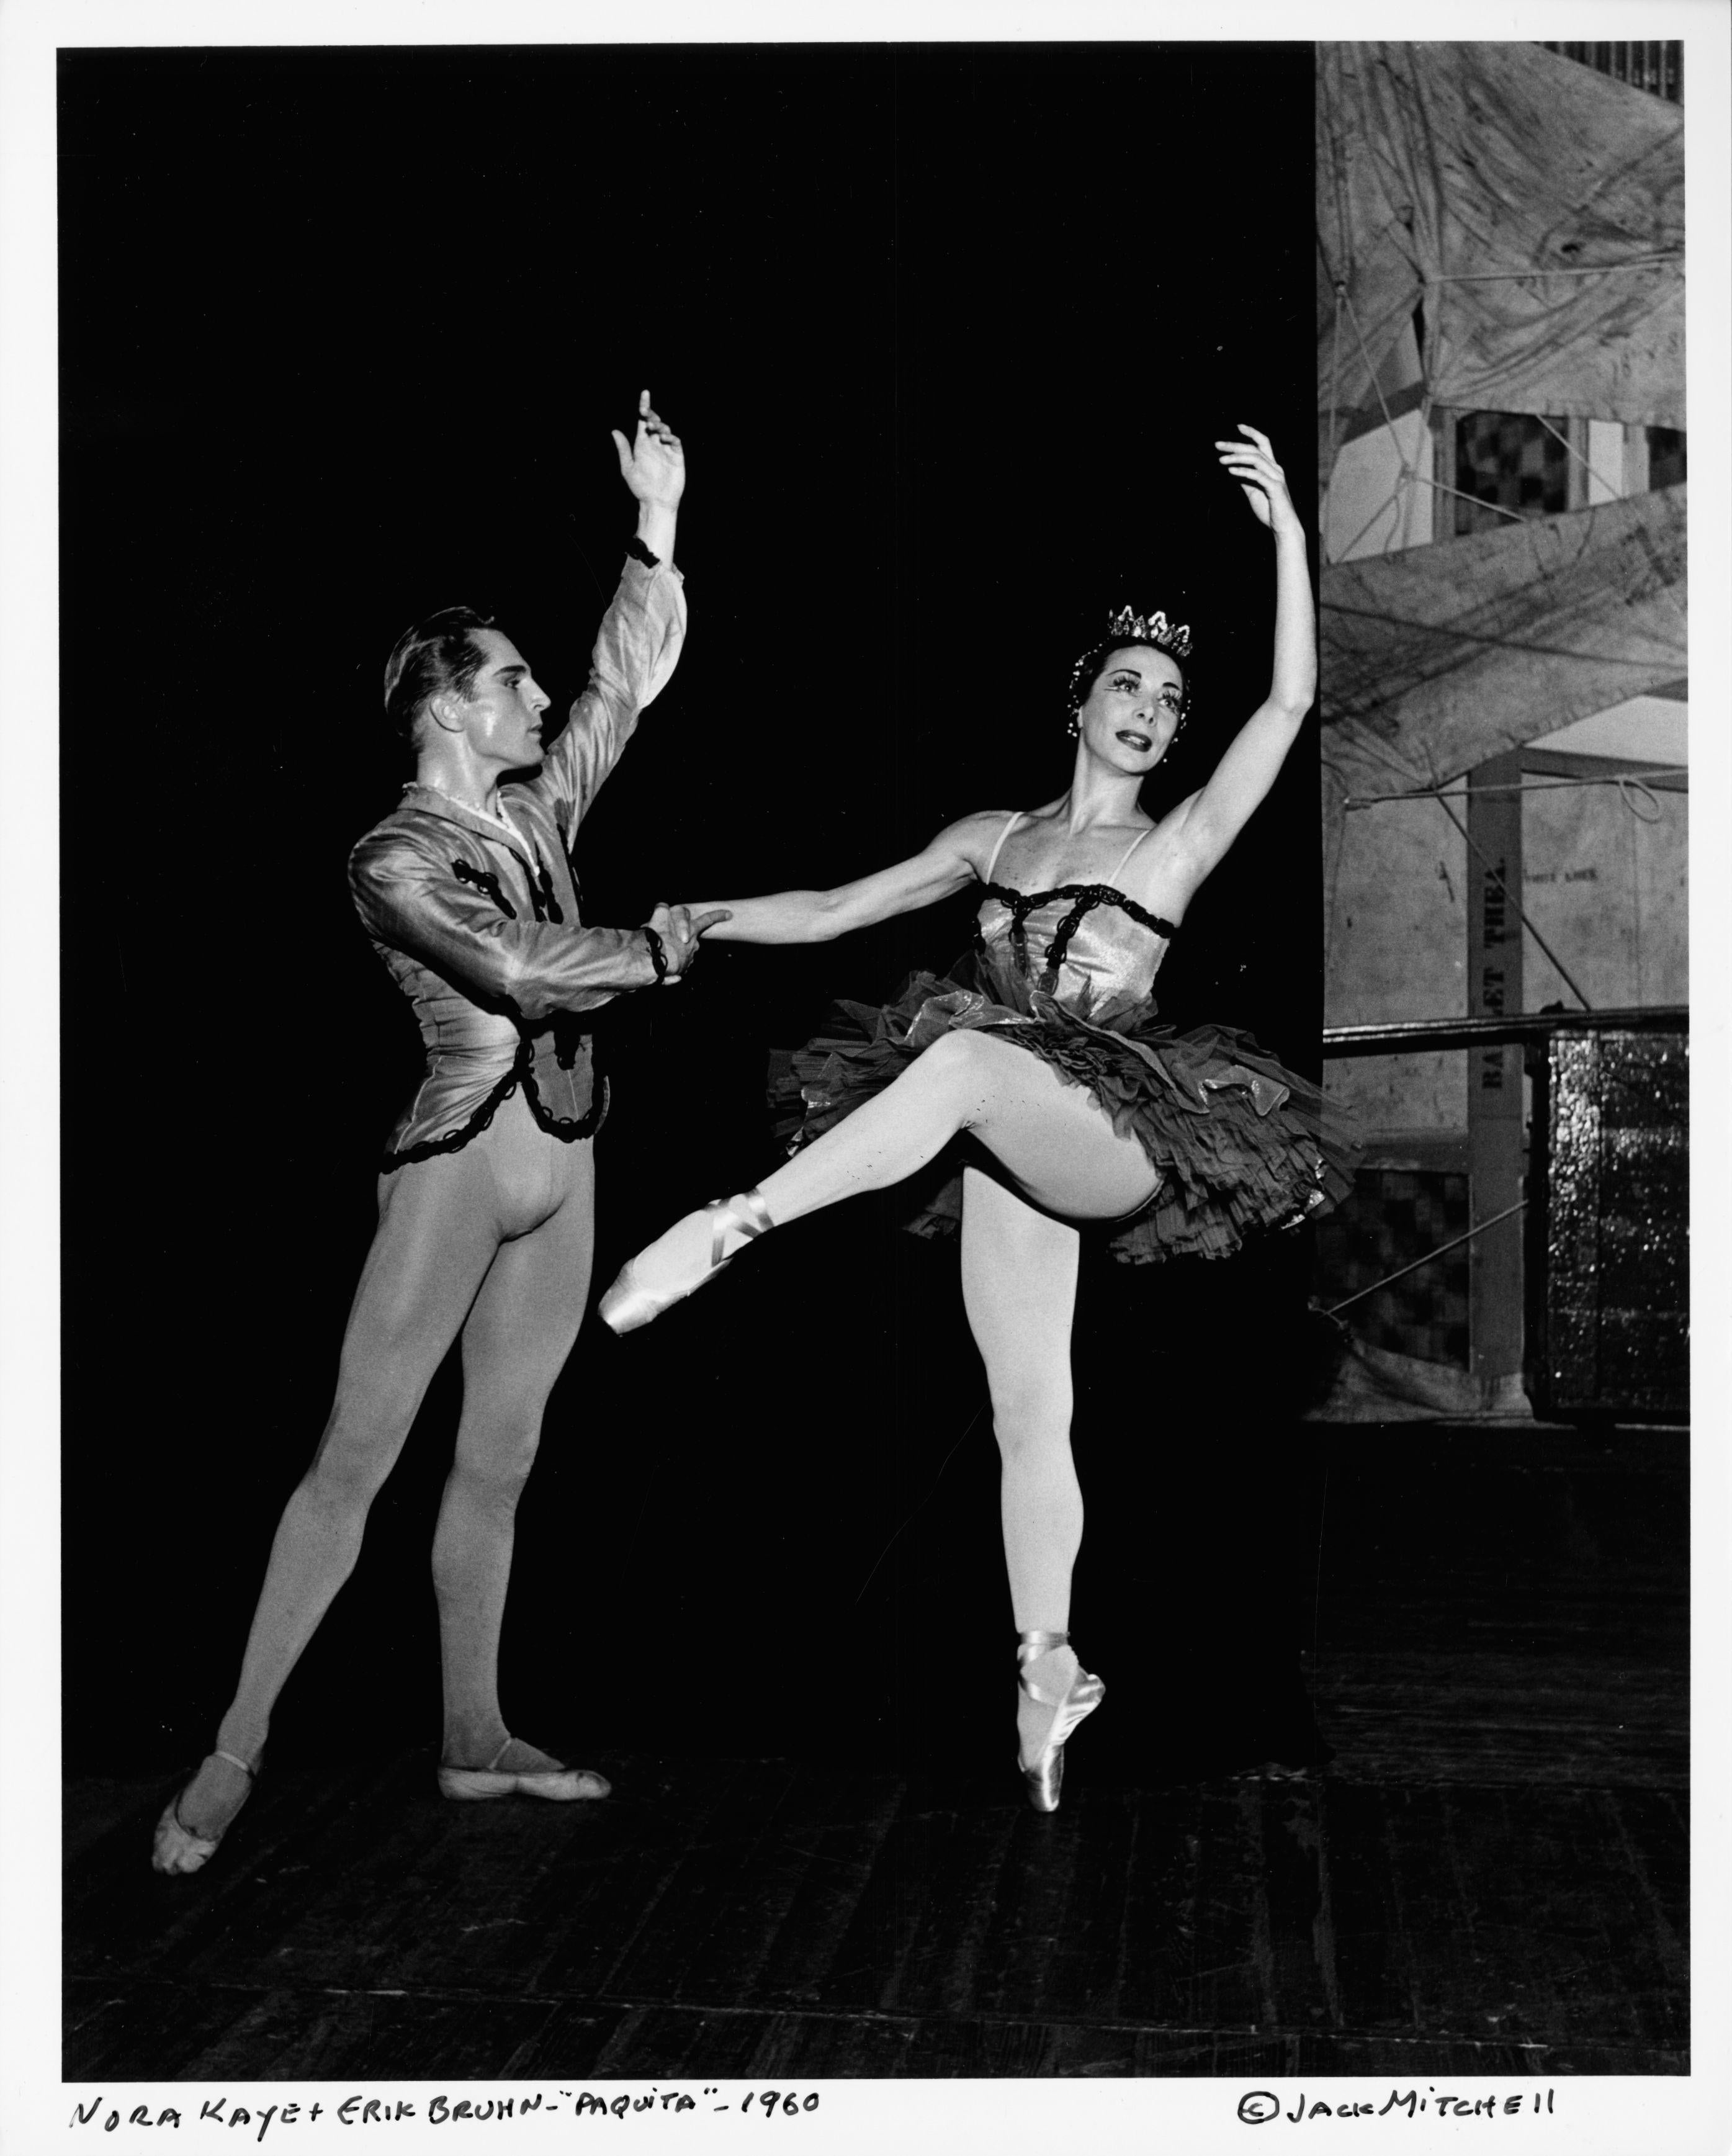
(480, 926)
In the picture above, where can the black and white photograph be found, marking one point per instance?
(998, 1378)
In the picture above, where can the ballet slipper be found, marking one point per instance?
(629, 1304)
(175, 1848)
(1043, 1775)
(559, 1785)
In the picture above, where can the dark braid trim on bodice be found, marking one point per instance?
(545, 904)
(1087, 897)
(542, 897)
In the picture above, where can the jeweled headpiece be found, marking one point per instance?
(1173, 638)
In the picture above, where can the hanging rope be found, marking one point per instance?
(1371, 371)
(1629, 789)
(1408, 470)
(1408, 473)
(1391, 500)
(1376, 751)
(1405, 471)
(1454, 1243)
(1586, 466)
(1478, 501)
(1630, 784)
(1334, 377)
(1517, 908)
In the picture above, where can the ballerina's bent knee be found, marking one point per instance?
(881, 1143)
(1054, 1138)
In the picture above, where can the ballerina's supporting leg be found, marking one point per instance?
(1052, 1135)
(1019, 1280)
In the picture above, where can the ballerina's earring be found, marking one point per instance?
(1074, 729)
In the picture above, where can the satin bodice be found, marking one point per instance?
(1080, 942)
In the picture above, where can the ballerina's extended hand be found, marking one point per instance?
(1252, 464)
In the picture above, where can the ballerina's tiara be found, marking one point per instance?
(1173, 638)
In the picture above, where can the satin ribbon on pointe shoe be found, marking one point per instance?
(175, 1848)
(1085, 1693)
(628, 1304)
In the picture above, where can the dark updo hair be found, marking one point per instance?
(437, 656)
(1089, 668)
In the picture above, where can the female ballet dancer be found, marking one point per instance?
(1078, 1106)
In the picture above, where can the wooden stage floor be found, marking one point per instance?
(1490, 1876)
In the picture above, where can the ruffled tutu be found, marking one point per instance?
(1240, 1142)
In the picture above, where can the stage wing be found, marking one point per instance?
(1438, 658)
(1534, 206)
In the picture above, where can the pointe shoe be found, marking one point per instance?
(628, 1304)
(175, 1848)
(1043, 1775)
(559, 1785)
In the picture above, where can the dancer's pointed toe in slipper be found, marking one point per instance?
(554, 1783)
(677, 1265)
(179, 1849)
(1044, 1775)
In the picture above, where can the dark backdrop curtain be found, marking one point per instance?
(949, 332)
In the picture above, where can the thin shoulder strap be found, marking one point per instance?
(1015, 818)
(1125, 862)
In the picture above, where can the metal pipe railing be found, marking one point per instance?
(1341, 1041)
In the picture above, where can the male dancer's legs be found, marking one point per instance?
(515, 1345)
(441, 1228)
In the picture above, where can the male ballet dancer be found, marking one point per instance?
(486, 1200)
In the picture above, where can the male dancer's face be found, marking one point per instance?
(502, 714)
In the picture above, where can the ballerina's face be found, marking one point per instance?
(1131, 713)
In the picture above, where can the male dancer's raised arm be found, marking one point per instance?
(473, 724)
(638, 643)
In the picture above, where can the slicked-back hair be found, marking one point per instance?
(438, 655)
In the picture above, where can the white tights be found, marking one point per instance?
(494, 1242)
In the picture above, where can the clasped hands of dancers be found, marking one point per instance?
(1083, 1108)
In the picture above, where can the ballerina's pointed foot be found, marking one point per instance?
(541, 1777)
(1044, 1772)
(179, 1848)
(677, 1265)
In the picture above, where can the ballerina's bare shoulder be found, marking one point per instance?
(1147, 859)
